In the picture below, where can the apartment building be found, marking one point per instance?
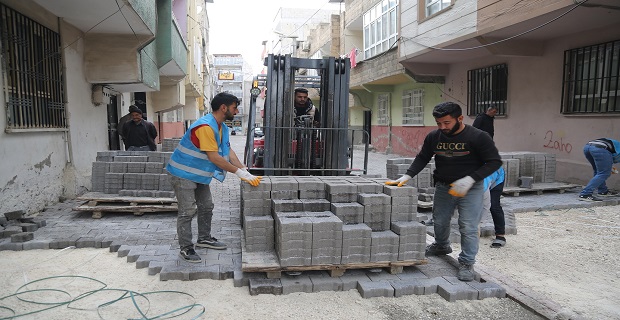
(552, 68)
(71, 68)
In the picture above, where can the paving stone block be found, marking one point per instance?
(86, 243)
(351, 278)
(488, 290)
(22, 237)
(459, 291)
(155, 267)
(36, 244)
(11, 230)
(406, 288)
(3, 221)
(205, 272)
(404, 191)
(371, 289)
(324, 282)
(292, 284)
(169, 272)
(14, 246)
(382, 276)
(14, 215)
(242, 279)
(265, 286)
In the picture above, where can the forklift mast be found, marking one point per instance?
(279, 112)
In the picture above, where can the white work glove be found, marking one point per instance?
(461, 186)
(400, 181)
(614, 170)
(248, 177)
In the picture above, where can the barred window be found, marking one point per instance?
(32, 65)
(487, 87)
(413, 107)
(383, 101)
(591, 79)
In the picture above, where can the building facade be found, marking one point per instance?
(555, 81)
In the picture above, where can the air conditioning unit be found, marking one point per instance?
(305, 46)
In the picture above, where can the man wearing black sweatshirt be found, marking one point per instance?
(464, 156)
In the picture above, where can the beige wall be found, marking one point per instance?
(534, 121)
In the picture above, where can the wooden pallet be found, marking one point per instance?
(268, 262)
(98, 203)
(540, 187)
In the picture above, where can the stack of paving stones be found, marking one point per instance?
(356, 220)
(18, 228)
(537, 166)
(132, 173)
(169, 144)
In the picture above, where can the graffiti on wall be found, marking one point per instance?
(556, 142)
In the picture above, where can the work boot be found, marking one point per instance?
(466, 272)
(436, 250)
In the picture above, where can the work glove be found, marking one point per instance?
(614, 170)
(248, 177)
(461, 186)
(400, 181)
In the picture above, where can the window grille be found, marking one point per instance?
(32, 64)
(487, 87)
(591, 79)
(413, 107)
(383, 101)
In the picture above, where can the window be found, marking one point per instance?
(380, 30)
(32, 68)
(434, 6)
(591, 79)
(383, 103)
(413, 107)
(487, 87)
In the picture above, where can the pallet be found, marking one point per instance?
(425, 204)
(540, 187)
(268, 262)
(98, 203)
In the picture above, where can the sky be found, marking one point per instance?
(240, 26)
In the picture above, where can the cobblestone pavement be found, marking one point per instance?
(150, 240)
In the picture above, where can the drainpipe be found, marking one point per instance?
(67, 135)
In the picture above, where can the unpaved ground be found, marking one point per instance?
(571, 256)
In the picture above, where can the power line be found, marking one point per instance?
(290, 34)
(502, 40)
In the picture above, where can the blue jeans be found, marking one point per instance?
(193, 199)
(601, 161)
(470, 213)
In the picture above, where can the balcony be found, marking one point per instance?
(118, 40)
(171, 48)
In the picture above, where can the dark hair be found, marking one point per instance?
(493, 107)
(133, 108)
(447, 108)
(302, 90)
(224, 98)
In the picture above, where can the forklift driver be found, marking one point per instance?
(304, 107)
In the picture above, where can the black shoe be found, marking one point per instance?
(211, 243)
(590, 198)
(609, 193)
(190, 255)
(436, 250)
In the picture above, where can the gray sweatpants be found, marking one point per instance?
(193, 199)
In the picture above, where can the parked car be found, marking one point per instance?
(258, 133)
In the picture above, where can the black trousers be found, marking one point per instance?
(497, 212)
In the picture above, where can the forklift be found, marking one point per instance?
(294, 145)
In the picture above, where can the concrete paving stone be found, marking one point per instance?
(11, 230)
(381, 276)
(62, 243)
(28, 227)
(86, 243)
(265, 286)
(144, 261)
(227, 271)
(205, 272)
(351, 277)
(134, 254)
(371, 289)
(406, 288)
(460, 291)
(488, 290)
(292, 284)
(36, 244)
(14, 215)
(325, 283)
(173, 272)
(22, 237)
(13, 246)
